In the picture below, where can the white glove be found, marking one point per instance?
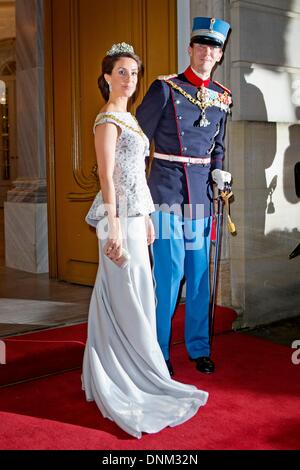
(221, 177)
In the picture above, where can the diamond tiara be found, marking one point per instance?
(119, 48)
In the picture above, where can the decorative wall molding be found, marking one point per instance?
(87, 182)
(274, 68)
(265, 8)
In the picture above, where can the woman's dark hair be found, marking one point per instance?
(108, 64)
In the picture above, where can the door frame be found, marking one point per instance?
(49, 138)
(49, 122)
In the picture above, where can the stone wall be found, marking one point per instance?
(262, 67)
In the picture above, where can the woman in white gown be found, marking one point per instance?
(123, 368)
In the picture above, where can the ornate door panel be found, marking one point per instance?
(78, 33)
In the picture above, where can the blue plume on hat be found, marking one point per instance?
(211, 30)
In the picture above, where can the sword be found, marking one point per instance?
(295, 253)
(223, 198)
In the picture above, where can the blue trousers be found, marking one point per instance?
(182, 248)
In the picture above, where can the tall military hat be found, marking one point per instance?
(212, 31)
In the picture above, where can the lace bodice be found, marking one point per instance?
(132, 192)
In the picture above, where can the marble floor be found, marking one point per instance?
(31, 302)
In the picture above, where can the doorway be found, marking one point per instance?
(78, 33)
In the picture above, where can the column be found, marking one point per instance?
(262, 69)
(26, 239)
(264, 148)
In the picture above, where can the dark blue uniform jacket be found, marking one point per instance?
(168, 117)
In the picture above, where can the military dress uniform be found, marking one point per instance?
(186, 118)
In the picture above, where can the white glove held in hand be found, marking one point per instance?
(221, 177)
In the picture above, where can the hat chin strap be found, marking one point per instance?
(207, 40)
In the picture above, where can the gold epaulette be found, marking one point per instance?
(167, 77)
(222, 86)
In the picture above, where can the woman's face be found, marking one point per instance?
(123, 78)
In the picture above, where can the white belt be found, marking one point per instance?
(182, 159)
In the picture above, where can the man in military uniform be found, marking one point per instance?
(185, 115)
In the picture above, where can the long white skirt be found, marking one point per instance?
(124, 370)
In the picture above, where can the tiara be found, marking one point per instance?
(119, 48)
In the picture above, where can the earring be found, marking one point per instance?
(109, 86)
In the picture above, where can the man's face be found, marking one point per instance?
(204, 57)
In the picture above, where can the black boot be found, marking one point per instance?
(204, 364)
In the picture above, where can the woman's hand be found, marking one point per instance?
(113, 246)
(150, 230)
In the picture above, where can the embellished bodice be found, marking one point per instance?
(132, 192)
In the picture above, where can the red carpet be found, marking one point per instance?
(224, 318)
(254, 403)
(56, 350)
(254, 400)
(42, 353)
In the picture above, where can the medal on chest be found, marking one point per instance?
(205, 98)
(204, 103)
